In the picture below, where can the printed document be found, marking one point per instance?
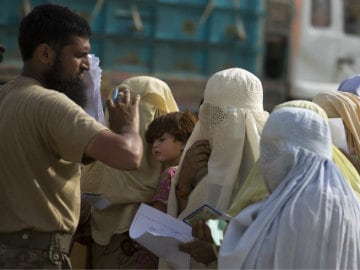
(161, 233)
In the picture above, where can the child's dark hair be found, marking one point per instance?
(52, 24)
(178, 124)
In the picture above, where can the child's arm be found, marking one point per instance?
(161, 195)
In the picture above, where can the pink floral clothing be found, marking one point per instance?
(163, 189)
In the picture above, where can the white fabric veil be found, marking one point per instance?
(231, 118)
(311, 218)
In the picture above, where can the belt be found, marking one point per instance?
(38, 240)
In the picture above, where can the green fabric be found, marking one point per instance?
(252, 191)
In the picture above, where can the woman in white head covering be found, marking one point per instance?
(231, 118)
(126, 189)
(311, 217)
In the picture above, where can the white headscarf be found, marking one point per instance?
(231, 118)
(311, 218)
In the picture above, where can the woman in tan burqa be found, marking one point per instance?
(126, 190)
(346, 106)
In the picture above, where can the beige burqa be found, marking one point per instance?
(231, 118)
(347, 107)
(127, 189)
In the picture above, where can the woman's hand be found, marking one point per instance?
(194, 165)
(201, 231)
(202, 248)
(201, 251)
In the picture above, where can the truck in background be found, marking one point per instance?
(312, 45)
(298, 48)
(179, 41)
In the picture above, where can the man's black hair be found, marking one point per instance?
(52, 24)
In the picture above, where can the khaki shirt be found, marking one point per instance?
(43, 136)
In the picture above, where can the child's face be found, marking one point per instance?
(167, 150)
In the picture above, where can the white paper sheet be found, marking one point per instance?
(96, 200)
(161, 233)
(338, 135)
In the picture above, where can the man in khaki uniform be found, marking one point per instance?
(46, 135)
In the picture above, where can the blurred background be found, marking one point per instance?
(296, 47)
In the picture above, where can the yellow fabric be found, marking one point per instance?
(303, 104)
(152, 91)
(253, 190)
(348, 170)
(347, 107)
(127, 189)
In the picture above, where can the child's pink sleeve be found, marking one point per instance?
(163, 188)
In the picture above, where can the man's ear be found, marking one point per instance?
(45, 54)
